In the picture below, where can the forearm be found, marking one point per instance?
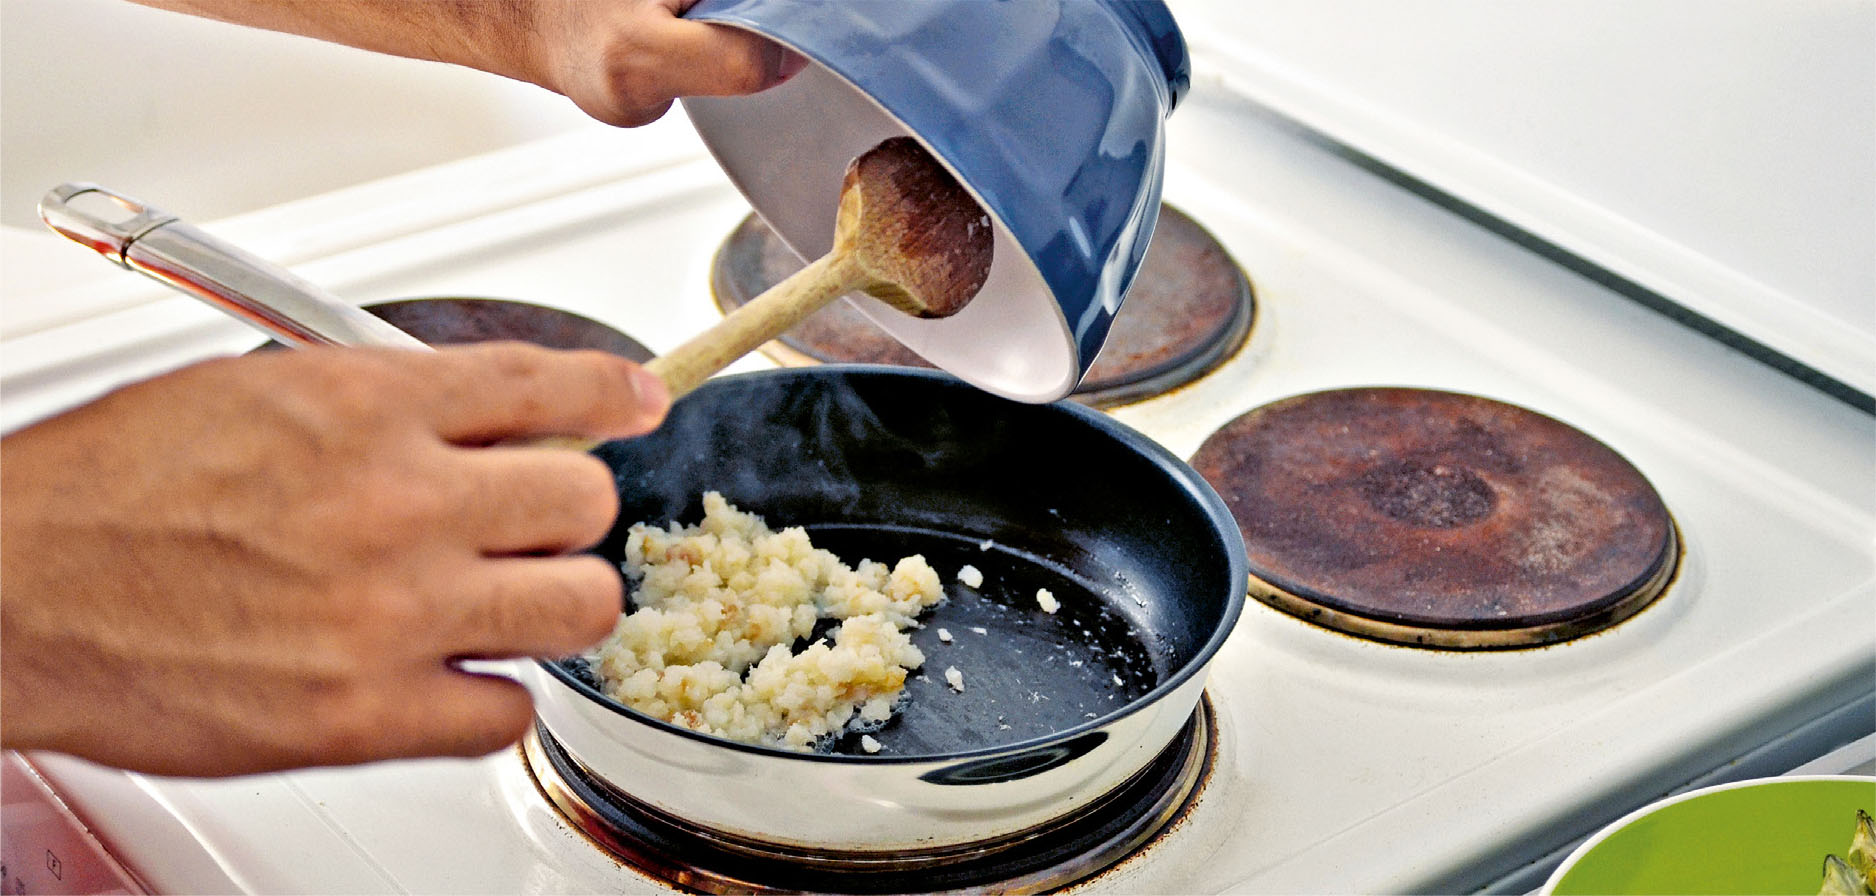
(491, 35)
(621, 61)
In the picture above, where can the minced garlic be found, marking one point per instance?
(718, 608)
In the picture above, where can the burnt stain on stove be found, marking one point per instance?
(1428, 495)
(1189, 309)
(1437, 518)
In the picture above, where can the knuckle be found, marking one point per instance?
(403, 502)
(635, 89)
(341, 719)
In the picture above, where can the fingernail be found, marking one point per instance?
(792, 64)
(649, 394)
(784, 64)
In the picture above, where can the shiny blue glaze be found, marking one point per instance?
(1051, 111)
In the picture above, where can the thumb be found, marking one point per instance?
(709, 59)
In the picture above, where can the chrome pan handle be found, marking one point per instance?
(167, 249)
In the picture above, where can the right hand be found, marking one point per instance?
(624, 62)
(273, 561)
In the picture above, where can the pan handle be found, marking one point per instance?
(165, 248)
(514, 670)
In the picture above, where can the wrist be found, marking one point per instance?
(511, 38)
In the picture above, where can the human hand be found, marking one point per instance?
(624, 62)
(621, 61)
(272, 561)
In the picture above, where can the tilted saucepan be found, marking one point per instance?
(1057, 708)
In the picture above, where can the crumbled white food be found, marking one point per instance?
(980, 629)
(1047, 601)
(717, 609)
(985, 545)
(971, 576)
(954, 678)
(944, 634)
(870, 745)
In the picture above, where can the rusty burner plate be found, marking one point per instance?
(1439, 519)
(1189, 309)
(1096, 839)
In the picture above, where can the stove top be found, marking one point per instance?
(1342, 764)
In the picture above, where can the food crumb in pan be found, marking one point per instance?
(718, 607)
(971, 576)
(944, 634)
(1046, 600)
(954, 678)
(870, 745)
(980, 629)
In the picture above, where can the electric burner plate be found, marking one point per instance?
(1438, 518)
(1190, 307)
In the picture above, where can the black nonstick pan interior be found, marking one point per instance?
(879, 463)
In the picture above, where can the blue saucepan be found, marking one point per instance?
(1051, 112)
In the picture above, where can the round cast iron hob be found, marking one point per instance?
(1190, 308)
(694, 859)
(1439, 519)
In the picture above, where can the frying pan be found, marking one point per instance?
(1057, 709)
(879, 463)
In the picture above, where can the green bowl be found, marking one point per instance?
(1765, 836)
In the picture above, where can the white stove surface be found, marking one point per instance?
(1344, 765)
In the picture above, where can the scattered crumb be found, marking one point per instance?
(971, 576)
(944, 634)
(980, 629)
(1117, 681)
(954, 678)
(1046, 601)
(985, 544)
(870, 745)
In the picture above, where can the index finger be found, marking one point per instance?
(495, 392)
